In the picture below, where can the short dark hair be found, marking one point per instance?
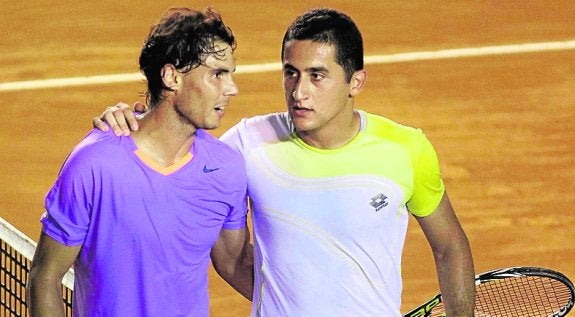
(332, 27)
(181, 37)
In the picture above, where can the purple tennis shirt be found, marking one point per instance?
(146, 231)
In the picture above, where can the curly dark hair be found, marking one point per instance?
(332, 27)
(182, 37)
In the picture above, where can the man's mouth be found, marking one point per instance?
(300, 110)
(220, 111)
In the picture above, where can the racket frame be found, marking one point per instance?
(426, 308)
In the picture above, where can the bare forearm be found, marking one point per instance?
(44, 298)
(243, 281)
(453, 259)
(235, 267)
(241, 275)
(456, 281)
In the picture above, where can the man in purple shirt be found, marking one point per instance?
(140, 216)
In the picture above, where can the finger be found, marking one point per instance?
(109, 117)
(140, 107)
(99, 124)
(119, 115)
(130, 118)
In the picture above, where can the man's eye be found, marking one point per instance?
(317, 76)
(289, 73)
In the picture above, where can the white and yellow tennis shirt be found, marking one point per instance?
(329, 225)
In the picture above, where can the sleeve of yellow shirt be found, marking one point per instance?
(428, 188)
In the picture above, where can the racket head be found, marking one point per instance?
(515, 291)
(523, 291)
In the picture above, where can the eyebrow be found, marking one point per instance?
(309, 70)
(221, 69)
(225, 70)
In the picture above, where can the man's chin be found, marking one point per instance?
(301, 124)
(211, 127)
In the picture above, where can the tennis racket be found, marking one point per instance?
(516, 291)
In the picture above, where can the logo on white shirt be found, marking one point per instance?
(378, 202)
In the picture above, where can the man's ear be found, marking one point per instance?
(170, 78)
(357, 82)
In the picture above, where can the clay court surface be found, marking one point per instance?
(502, 124)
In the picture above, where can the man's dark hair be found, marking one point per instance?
(182, 37)
(331, 27)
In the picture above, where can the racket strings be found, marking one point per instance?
(521, 296)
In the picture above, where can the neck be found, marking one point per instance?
(162, 137)
(335, 135)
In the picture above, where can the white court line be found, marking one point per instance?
(260, 68)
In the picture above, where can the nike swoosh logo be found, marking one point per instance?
(209, 170)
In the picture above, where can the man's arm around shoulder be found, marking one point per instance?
(232, 258)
